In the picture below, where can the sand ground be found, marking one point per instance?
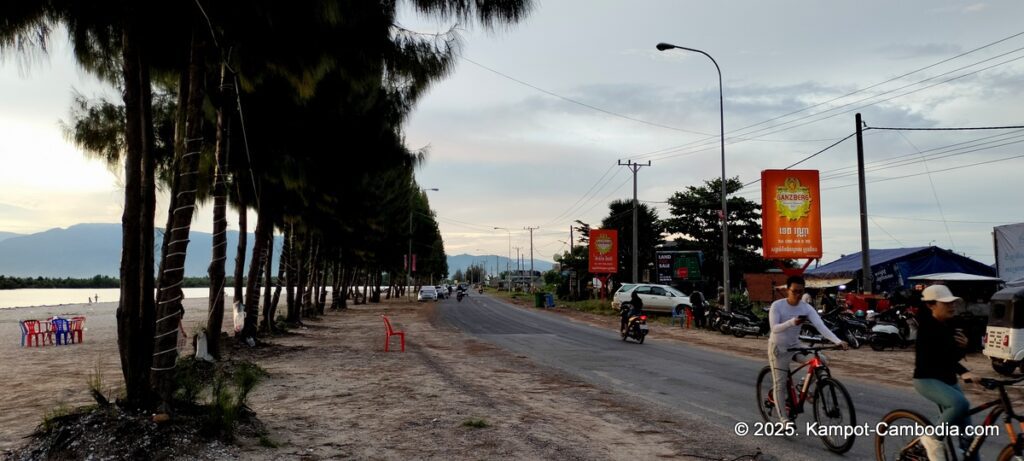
(334, 393)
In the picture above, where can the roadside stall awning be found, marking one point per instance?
(954, 277)
(823, 282)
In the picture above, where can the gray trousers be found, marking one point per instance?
(779, 359)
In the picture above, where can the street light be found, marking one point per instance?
(508, 270)
(725, 212)
(408, 260)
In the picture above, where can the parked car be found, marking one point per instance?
(442, 293)
(427, 293)
(656, 298)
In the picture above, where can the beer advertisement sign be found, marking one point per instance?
(790, 214)
(604, 251)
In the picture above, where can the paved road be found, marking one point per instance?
(683, 379)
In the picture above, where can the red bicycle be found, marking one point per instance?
(831, 403)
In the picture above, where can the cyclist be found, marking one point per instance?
(785, 317)
(937, 357)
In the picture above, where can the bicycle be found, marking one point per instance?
(912, 450)
(830, 400)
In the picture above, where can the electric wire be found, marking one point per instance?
(935, 194)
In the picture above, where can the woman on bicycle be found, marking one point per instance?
(785, 317)
(938, 353)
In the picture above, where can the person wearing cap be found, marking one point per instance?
(937, 364)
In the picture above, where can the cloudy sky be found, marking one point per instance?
(529, 128)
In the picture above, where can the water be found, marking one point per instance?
(57, 296)
(28, 297)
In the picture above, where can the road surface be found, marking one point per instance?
(687, 380)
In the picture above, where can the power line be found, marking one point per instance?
(573, 101)
(936, 171)
(1010, 127)
(935, 194)
(809, 156)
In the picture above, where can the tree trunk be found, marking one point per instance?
(322, 299)
(286, 271)
(134, 311)
(299, 267)
(243, 235)
(268, 306)
(179, 221)
(307, 293)
(264, 230)
(215, 318)
(335, 281)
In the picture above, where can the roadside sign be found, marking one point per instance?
(604, 251)
(790, 214)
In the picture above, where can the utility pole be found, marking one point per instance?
(531, 229)
(518, 273)
(865, 257)
(634, 167)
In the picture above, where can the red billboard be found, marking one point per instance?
(790, 214)
(604, 251)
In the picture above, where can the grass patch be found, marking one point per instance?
(54, 414)
(475, 423)
(266, 442)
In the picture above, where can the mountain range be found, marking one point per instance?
(85, 250)
(463, 261)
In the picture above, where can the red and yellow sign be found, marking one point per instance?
(790, 214)
(604, 251)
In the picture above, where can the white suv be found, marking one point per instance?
(656, 298)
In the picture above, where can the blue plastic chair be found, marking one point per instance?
(677, 316)
(61, 331)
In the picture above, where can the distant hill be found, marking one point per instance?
(85, 250)
(7, 235)
(463, 261)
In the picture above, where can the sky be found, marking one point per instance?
(528, 129)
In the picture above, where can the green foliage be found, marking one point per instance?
(620, 217)
(246, 376)
(97, 281)
(267, 442)
(695, 215)
(475, 423)
(50, 418)
(281, 323)
(228, 388)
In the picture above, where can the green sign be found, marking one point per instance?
(675, 266)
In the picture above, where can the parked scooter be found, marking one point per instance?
(746, 323)
(845, 325)
(894, 327)
(636, 328)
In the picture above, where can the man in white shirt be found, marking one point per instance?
(785, 318)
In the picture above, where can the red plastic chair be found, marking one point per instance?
(389, 332)
(77, 325)
(46, 331)
(30, 332)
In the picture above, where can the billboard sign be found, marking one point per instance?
(676, 266)
(790, 214)
(604, 251)
(1009, 242)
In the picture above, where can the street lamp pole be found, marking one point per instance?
(725, 211)
(508, 270)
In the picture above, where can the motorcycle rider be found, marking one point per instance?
(785, 317)
(636, 307)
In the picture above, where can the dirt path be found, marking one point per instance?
(334, 393)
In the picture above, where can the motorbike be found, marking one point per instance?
(844, 324)
(894, 327)
(459, 296)
(745, 323)
(636, 328)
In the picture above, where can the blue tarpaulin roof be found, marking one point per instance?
(894, 265)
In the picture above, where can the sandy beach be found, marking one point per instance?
(334, 393)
